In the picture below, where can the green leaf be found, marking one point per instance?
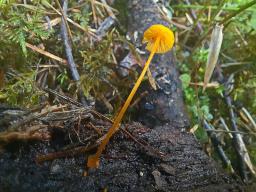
(185, 79)
(252, 21)
(22, 43)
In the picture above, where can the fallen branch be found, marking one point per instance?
(64, 15)
(226, 127)
(104, 27)
(19, 126)
(239, 145)
(63, 97)
(199, 25)
(8, 137)
(67, 153)
(217, 145)
(68, 49)
(248, 115)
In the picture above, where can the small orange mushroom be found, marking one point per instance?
(159, 39)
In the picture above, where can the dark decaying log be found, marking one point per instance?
(125, 165)
(165, 107)
(166, 104)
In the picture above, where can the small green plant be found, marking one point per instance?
(98, 74)
(63, 79)
(17, 26)
(21, 91)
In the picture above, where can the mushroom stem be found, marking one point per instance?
(93, 161)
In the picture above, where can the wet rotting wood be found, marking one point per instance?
(163, 110)
(165, 104)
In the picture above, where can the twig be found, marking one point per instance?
(236, 138)
(205, 7)
(68, 99)
(217, 145)
(67, 153)
(242, 153)
(241, 9)
(89, 30)
(94, 12)
(249, 117)
(99, 132)
(169, 20)
(245, 126)
(51, 23)
(106, 102)
(20, 124)
(209, 85)
(226, 127)
(108, 9)
(137, 100)
(64, 16)
(104, 27)
(234, 64)
(2, 75)
(199, 26)
(8, 137)
(226, 20)
(52, 56)
(68, 49)
(224, 131)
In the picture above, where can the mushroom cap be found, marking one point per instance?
(165, 35)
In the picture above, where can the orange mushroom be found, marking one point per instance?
(159, 39)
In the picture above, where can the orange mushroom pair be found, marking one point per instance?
(159, 39)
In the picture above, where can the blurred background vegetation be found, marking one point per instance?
(236, 61)
(24, 71)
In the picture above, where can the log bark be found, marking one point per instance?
(165, 105)
(164, 111)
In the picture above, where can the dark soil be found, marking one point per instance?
(125, 166)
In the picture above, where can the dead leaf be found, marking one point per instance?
(214, 50)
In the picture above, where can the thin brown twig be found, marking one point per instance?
(32, 134)
(95, 128)
(217, 144)
(20, 124)
(46, 53)
(108, 9)
(63, 97)
(64, 17)
(89, 30)
(67, 153)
